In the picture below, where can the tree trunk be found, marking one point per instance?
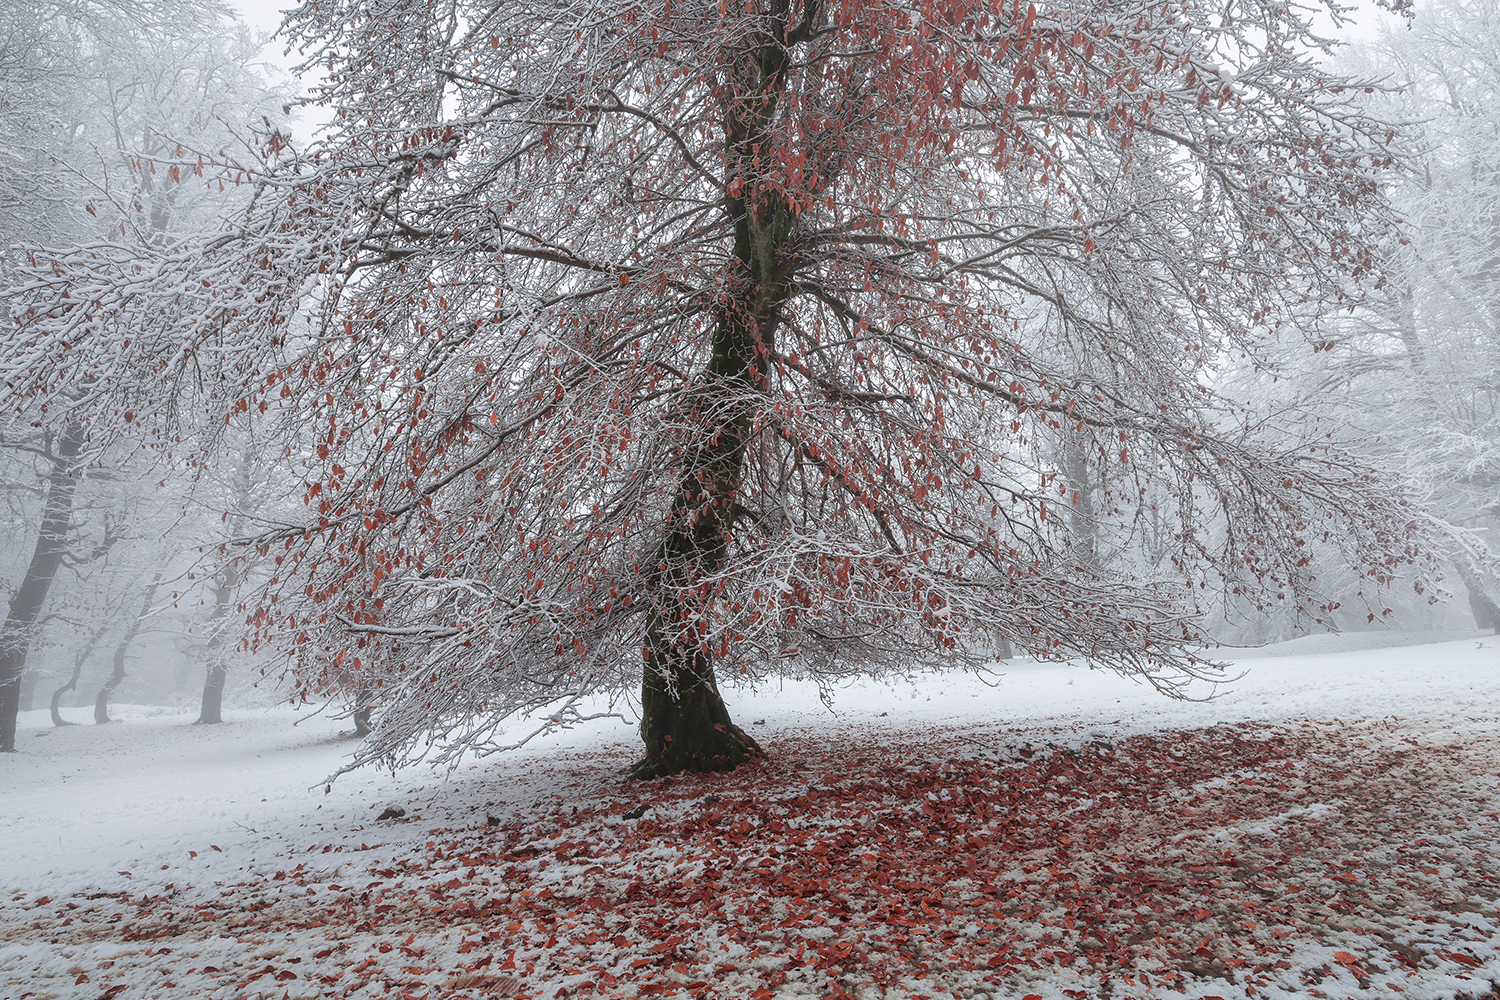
(101, 704)
(78, 662)
(1083, 519)
(364, 701)
(211, 710)
(57, 719)
(26, 603)
(1486, 611)
(1483, 617)
(684, 723)
(1003, 647)
(687, 729)
(28, 689)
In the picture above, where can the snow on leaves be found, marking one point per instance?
(1318, 860)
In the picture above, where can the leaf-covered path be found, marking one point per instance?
(1302, 858)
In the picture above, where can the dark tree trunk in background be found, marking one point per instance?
(1484, 616)
(26, 603)
(101, 704)
(211, 708)
(28, 689)
(57, 719)
(364, 701)
(78, 662)
(211, 711)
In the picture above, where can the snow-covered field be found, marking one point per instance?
(1326, 825)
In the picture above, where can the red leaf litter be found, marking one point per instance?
(1316, 860)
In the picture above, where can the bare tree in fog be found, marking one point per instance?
(1419, 372)
(116, 121)
(101, 703)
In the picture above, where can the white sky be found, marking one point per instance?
(262, 15)
(265, 16)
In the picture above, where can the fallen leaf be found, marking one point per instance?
(500, 986)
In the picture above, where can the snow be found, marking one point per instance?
(176, 816)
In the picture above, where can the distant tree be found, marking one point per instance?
(122, 648)
(644, 342)
(81, 657)
(247, 497)
(1414, 373)
(61, 455)
(108, 113)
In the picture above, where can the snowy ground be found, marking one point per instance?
(1325, 827)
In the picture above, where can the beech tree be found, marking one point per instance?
(656, 342)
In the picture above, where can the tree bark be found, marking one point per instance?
(57, 719)
(684, 723)
(1083, 518)
(211, 709)
(101, 704)
(46, 557)
(1483, 617)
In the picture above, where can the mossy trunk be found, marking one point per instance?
(689, 729)
(684, 723)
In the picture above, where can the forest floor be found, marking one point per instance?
(1329, 826)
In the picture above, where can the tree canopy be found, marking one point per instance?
(685, 337)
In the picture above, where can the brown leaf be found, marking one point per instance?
(500, 986)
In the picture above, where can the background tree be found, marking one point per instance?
(85, 650)
(659, 340)
(122, 648)
(108, 108)
(1413, 373)
(61, 455)
(240, 489)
